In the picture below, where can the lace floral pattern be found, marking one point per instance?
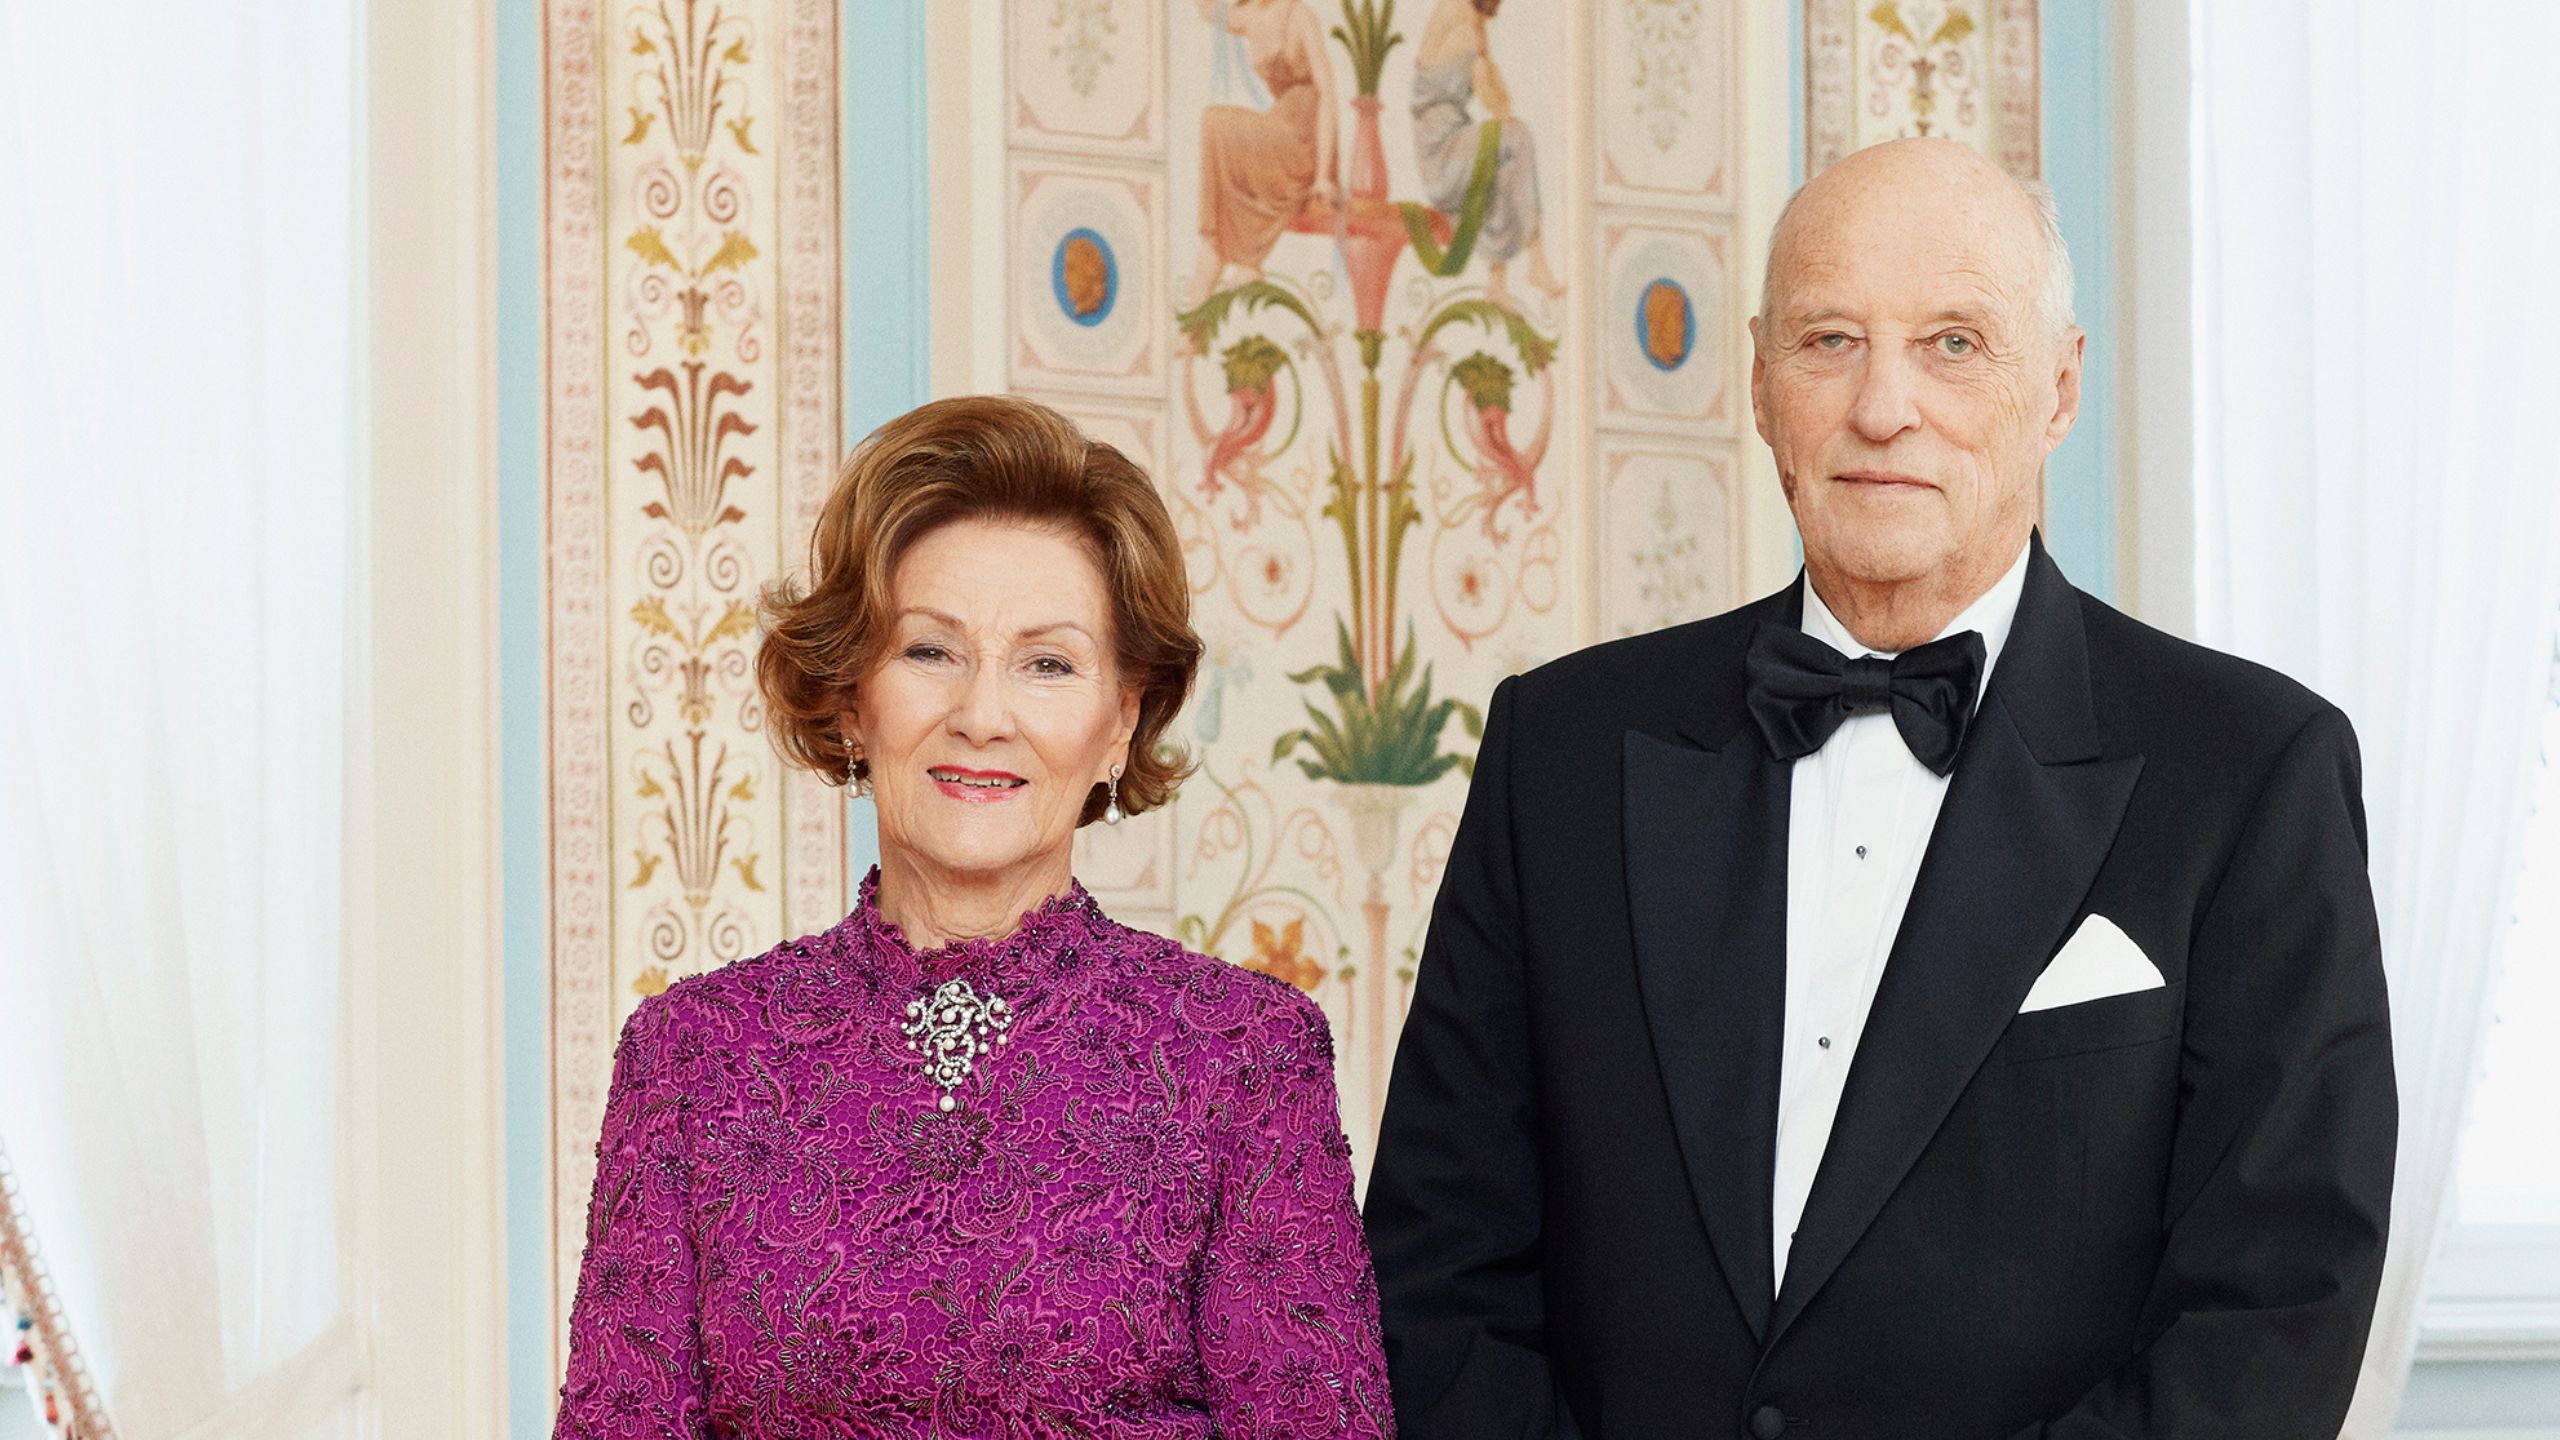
(1136, 1221)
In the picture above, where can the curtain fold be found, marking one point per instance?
(177, 395)
(2377, 229)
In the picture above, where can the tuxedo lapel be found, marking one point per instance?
(2029, 817)
(1706, 843)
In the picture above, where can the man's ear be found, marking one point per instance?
(2066, 388)
(1759, 375)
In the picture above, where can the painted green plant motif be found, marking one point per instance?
(1486, 380)
(1251, 362)
(1368, 32)
(1536, 351)
(1391, 737)
(1202, 322)
(1376, 721)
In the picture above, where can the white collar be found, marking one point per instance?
(1992, 614)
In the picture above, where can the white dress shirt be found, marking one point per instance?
(1859, 817)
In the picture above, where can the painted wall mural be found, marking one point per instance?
(693, 402)
(1963, 69)
(1432, 400)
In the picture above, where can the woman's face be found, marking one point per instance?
(998, 706)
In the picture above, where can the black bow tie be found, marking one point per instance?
(1801, 689)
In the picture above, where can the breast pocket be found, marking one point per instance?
(2142, 1017)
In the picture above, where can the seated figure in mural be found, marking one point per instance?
(978, 1160)
(1260, 168)
(1453, 66)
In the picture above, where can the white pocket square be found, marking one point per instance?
(2098, 960)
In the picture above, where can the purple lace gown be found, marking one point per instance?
(1136, 1220)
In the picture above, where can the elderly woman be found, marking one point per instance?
(978, 1161)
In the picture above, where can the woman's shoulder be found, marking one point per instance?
(1221, 1001)
(729, 1001)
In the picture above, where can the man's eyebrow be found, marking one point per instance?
(1961, 315)
(1816, 317)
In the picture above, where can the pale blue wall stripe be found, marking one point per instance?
(887, 268)
(2080, 165)
(527, 988)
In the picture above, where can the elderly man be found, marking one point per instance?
(1923, 1003)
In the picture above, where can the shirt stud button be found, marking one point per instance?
(1862, 852)
(1823, 1040)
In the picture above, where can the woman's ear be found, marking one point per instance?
(1129, 702)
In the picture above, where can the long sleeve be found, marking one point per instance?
(635, 1344)
(1456, 1203)
(1287, 1311)
(2280, 1180)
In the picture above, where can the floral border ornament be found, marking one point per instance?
(692, 430)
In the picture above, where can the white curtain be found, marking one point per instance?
(176, 394)
(2377, 261)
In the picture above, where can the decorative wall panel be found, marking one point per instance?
(1669, 326)
(1086, 74)
(1667, 550)
(1088, 302)
(1667, 122)
(692, 430)
(1963, 69)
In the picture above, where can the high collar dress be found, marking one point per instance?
(1133, 1219)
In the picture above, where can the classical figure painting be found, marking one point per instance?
(1262, 166)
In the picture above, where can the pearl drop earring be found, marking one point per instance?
(1111, 811)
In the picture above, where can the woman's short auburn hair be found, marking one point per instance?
(978, 457)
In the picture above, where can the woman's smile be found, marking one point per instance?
(975, 786)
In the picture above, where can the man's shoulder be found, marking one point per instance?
(1613, 682)
(2151, 680)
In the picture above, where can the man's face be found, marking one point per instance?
(1903, 377)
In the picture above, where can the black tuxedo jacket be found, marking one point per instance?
(2156, 1214)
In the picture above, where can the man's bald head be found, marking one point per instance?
(1941, 174)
